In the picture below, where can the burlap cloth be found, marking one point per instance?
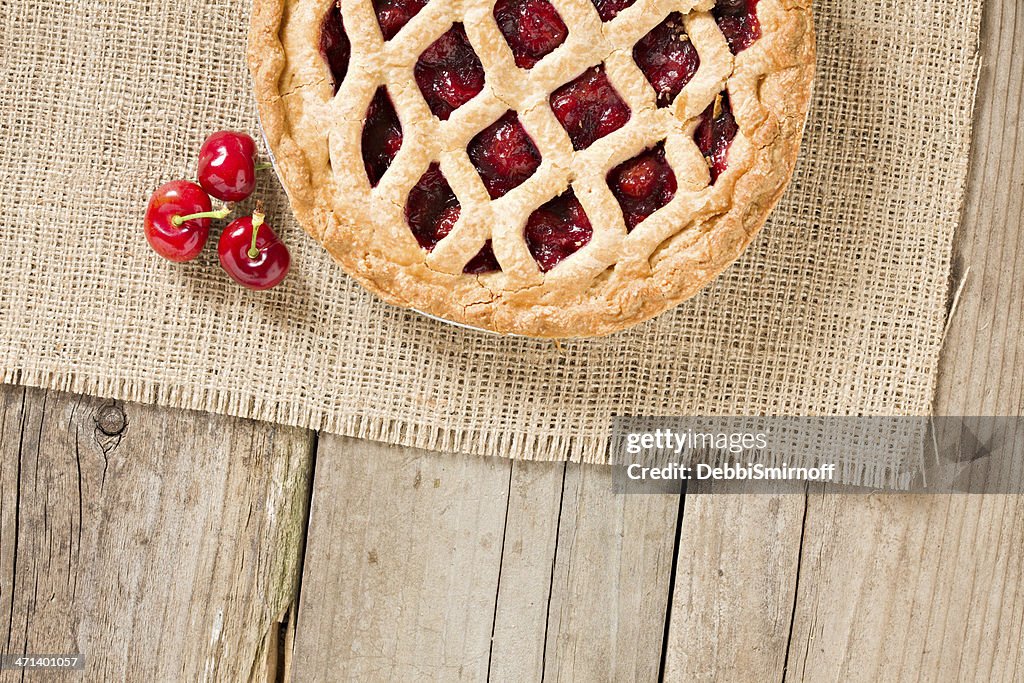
(837, 308)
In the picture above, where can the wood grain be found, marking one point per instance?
(167, 547)
(909, 588)
(896, 588)
(402, 564)
(611, 581)
(161, 544)
(982, 366)
(527, 563)
(432, 566)
(735, 582)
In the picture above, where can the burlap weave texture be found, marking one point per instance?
(837, 308)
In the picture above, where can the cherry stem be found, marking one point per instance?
(222, 212)
(257, 220)
(263, 166)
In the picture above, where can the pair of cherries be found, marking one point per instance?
(177, 221)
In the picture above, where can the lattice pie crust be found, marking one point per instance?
(616, 278)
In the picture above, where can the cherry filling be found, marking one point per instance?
(738, 21)
(643, 185)
(334, 45)
(715, 133)
(449, 73)
(483, 262)
(609, 9)
(431, 211)
(667, 58)
(532, 28)
(557, 230)
(432, 208)
(382, 136)
(504, 155)
(589, 108)
(392, 15)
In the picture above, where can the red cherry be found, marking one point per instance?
(504, 155)
(638, 179)
(227, 165)
(738, 21)
(609, 9)
(589, 107)
(177, 220)
(449, 73)
(252, 254)
(532, 28)
(557, 230)
(394, 14)
(667, 57)
(715, 133)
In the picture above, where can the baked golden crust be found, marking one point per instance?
(618, 279)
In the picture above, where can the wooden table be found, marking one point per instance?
(171, 545)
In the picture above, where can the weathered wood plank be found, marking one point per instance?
(161, 544)
(928, 587)
(611, 581)
(735, 581)
(982, 367)
(402, 563)
(900, 588)
(531, 536)
(414, 559)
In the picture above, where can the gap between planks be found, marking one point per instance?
(567, 587)
(467, 568)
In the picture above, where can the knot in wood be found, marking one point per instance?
(110, 419)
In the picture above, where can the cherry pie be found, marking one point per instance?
(553, 168)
